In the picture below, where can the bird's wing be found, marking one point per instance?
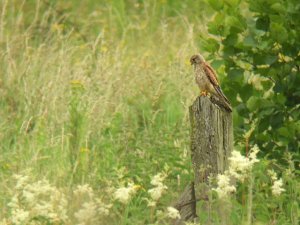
(212, 76)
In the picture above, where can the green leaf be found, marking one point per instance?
(283, 131)
(217, 25)
(263, 59)
(232, 21)
(231, 39)
(249, 41)
(236, 75)
(228, 51)
(278, 32)
(279, 87)
(217, 63)
(232, 3)
(266, 112)
(209, 45)
(278, 7)
(216, 4)
(267, 84)
(253, 103)
(263, 137)
(276, 120)
(281, 99)
(246, 91)
(263, 23)
(266, 104)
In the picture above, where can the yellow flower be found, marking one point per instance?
(77, 84)
(82, 150)
(137, 187)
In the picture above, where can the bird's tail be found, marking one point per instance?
(226, 103)
(220, 92)
(228, 106)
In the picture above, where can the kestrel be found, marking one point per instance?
(207, 80)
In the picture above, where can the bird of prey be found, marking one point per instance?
(207, 80)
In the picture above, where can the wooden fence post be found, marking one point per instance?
(211, 145)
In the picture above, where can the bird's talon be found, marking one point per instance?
(203, 93)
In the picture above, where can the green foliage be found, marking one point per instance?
(258, 42)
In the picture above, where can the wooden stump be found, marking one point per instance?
(211, 138)
(186, 205)
(211, 145)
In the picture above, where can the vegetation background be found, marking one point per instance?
(97, 92)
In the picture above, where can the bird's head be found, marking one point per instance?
(197, 59)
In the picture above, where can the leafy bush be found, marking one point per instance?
(258, 42)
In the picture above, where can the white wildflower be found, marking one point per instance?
(250, 131)
(277, 187)
(124, 194)
(158, 189)
(34, 199)
(157, 192)
(29, 196)
(61, 203)
(90, 211)
(173, 213)
(151, 203)
(43, 208)
(158, 179)
(224, 187)
(21, 181)
(253, 154)
(19, 216)
(14, 202)
(159, 214)
(272, 174)
(103, 209)
(87, 214)
(85, 189)
(240, 166)
(48, 201)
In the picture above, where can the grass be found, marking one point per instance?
(97, 93)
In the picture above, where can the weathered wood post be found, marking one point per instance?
(211, 144)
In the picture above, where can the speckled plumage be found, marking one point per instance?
(207, 80)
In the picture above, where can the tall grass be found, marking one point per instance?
(89, 94)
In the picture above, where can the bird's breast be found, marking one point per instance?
(201, 78)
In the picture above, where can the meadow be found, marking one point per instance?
(94, 117)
